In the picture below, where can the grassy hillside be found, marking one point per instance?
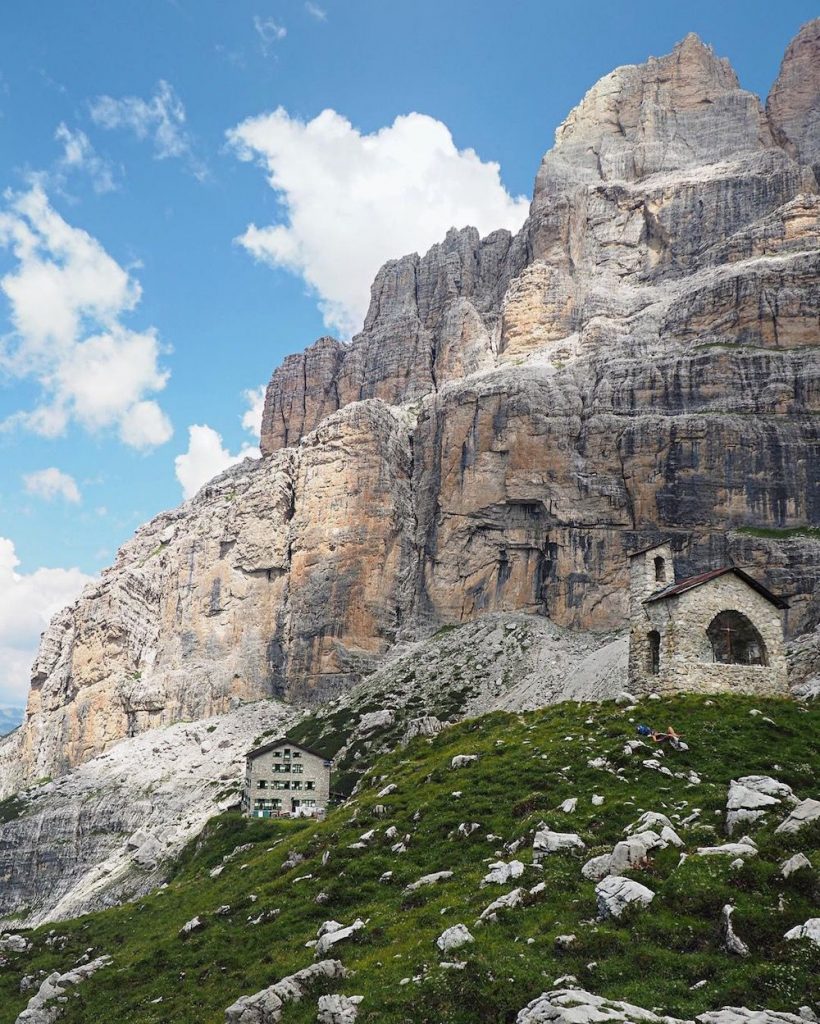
(528, 765)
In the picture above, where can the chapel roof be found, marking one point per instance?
(681, 586)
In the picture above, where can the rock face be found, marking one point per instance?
(640, 362)
(107, 831)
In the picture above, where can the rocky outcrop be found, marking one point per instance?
(569, 1005)
(793, 105)
(109, 830)
(517, 414)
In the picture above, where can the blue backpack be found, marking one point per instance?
(643, 730)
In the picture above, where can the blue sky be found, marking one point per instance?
(139, 144)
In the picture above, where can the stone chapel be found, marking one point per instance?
(720, 630)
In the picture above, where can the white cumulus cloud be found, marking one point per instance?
(27, 603)
(351, 201)
(67, 298)
(205, 458)
(52, 483)
(161, 118)
(252, 417)
(315, 11)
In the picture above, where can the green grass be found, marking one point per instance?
(785, 533)
(527, 767)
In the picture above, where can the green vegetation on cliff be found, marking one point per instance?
(528, 765)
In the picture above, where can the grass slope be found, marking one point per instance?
(528, 765)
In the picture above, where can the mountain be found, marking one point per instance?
(518, 413)
(10, 717)
(512, 821)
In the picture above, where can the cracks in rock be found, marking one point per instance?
(630, 504)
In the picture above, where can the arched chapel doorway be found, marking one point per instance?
(735, 640)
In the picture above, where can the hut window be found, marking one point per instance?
(660, 569)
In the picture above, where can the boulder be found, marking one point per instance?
(810, 930)
(728, 850)
(13, 944)
(267, 1005)
(750, 798)
(795, 863)
(597, 867)
(576, 1006)
(41, 1008)
(501, 872)
(511, 899)
(615, 893)
(330, 938)
(803, 814)
(194, 925)
(432, 879)
(547, 841)
(633, 851)
(454, 938)
(337, 1009)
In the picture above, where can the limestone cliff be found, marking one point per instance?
(641, 360)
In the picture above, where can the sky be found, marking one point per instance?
(192, 189)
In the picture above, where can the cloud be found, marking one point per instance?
(161, 119)
(67, 298)
(269, 32)
(79, 155)
(205, 458)
(52, 483)
(27, 604)
(252, 417)
(352, 201)
(315, 11)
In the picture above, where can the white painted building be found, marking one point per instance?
(284, 778)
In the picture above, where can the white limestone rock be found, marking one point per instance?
(615, 893)
(597, 868)
(577, 1006)
(649, 821)
(728, 850)
(514, 898)
(13, 943)
(546, 841)
(803, 814)
(454, 938)
(194, 925)
(568, 806)
(432, 879)
(502, 872)
(750, 798)
(809, 930)
(338, 1009)
(795, 863)
(41, 1008)
(732, 941)
(267, 1006)
(330, 939)
(381, 719)
(633, 851)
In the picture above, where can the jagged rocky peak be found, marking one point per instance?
(432, 318)
(793, 106)
(671, 113)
